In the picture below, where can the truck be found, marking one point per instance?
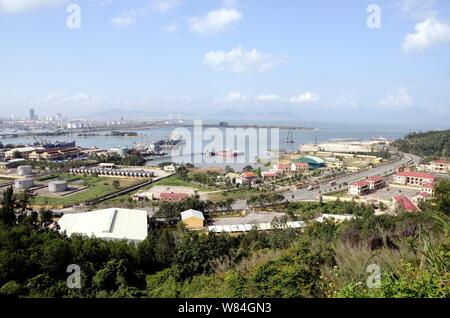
(332, 183)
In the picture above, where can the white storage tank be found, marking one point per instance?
(24, 170)
(57, 186)
(24, 184)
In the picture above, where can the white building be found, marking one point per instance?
(413, 178)
(442, 166)
(359, 188)
(170, 168)
(109, 224)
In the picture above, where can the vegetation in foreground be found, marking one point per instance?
(323, 260)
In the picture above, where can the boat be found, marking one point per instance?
(58, 144)
(290, 138)
(226, 153)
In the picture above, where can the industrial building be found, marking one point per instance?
(242, 228)
(23, 152)
(114, 172)
(55, 154)
(312, 161)
(108, 224)
(193, 219)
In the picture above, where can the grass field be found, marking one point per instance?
(96, 187)
(176, 181)
(234, 194)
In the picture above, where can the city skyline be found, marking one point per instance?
(294, 59)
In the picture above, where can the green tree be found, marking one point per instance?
(442, 196)
(8, 205)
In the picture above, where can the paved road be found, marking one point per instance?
(305, 195)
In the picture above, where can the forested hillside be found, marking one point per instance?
(426, 144)
(324, 260)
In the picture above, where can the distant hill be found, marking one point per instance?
(232, 114)
(117, 113)
(426, 144)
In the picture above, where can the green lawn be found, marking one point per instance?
(175, 181)
(96, 187)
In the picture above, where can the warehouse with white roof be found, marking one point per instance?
(193, 219)
(108, 224)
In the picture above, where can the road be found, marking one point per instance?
(305, 195)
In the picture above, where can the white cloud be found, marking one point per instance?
(214, 21)
(239, 61)
(164, 5)
(398, 100)
(127, 17)
(59, 98)
(14, 6)
(305, 98)
(430, 32)
(268, 98)
(170, 28)
(418, 9)
(236, 97)
(347, 100)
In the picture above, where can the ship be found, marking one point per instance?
(290, 138)
(58, 144)
(226, 153)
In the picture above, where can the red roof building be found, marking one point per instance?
(375, 182)
(269, 174)
(248, 177)
(405, 204)
(440, 165)
(428, 187)
(299, 167)
(413, 178)
(359, 188)
(173, 197)
(248, 174)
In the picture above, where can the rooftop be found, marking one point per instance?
(248, 174)
(406, 203)
(445, 162)
(361, 183)
(428, 185)
(415, 174)
(192, 213)
(110, 224)
(375, 179)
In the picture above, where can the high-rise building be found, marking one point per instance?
(32, 114)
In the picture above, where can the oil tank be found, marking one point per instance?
(24, 170)
(24, 184)
(57, 186)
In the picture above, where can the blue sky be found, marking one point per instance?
(312, 60)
